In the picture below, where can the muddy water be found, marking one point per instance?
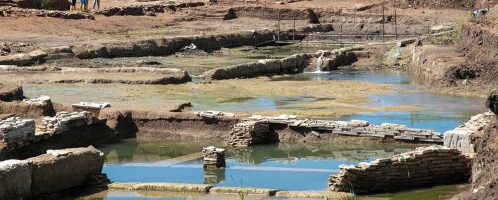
(284, 167)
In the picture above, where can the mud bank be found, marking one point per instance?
(468, 67)
(180, 125)
(11, 92)
(26, 110)
(289, 65)
(171, 45)
(426, 166)
(46, 174)
(126, 75)
(9, 11)
(35, 57)
(148, 9)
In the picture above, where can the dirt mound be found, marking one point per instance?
(489, 19)
(492, 102)
(479, 48)
(44, 4)
(484, 166)
(433, 3)
(10, 92)
(279, 13)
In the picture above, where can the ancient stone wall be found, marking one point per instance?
(15, 176)
(461, 137)
(250, 133)
(55, 171)
(253, 131)
(426, 166)
(16, 131)
(168, 46)
(62, 169)
(62, 131)
(289, 65)
(64, 121)
(213, 157)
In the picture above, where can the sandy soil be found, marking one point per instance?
(52, 32)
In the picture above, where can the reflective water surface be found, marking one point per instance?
(279, 166)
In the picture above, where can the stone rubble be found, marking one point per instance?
(214, 114)
(214, 157)
(460, 137)
(91, 105)
(248, 133)
(63, 121)
(16, 131)
(12, 47)
(39, 101)
(9, 11)
(254, 131)
(423, 167)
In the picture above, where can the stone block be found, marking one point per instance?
(15, 179)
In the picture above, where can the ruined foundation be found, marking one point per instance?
(285, 128)
(213, 157)
(426, 166)
(53, 172)
(461, 137)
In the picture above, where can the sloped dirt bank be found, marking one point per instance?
(466, 68)
(433, 3)
(180, 125)
(10, 92)
(485, 164)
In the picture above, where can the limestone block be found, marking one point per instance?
(64, 169)
(15, 178)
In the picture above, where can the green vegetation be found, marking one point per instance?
(434, 193)
(448, 38)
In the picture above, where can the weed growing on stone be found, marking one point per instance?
(241, 194)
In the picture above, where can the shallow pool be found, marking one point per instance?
(435, 111)
(278, 166)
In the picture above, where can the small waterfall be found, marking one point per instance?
(319, 62)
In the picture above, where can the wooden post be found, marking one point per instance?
(383, 20)
(396, 24)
